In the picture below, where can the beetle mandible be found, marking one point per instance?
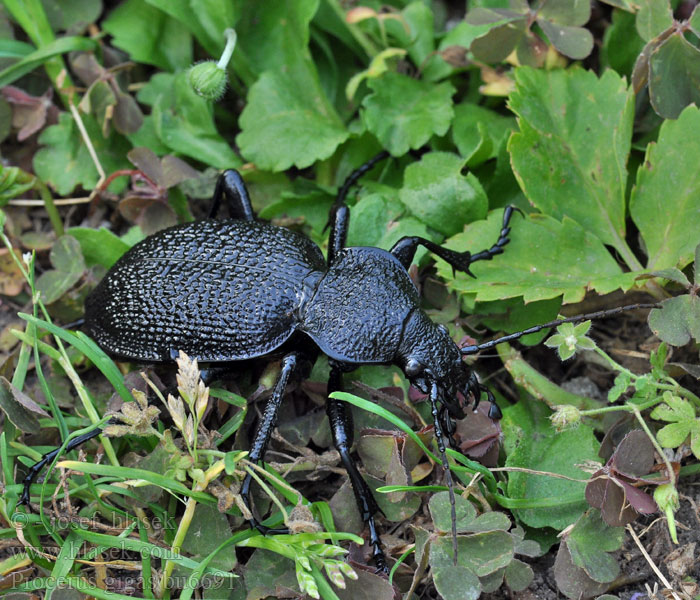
(237, 289)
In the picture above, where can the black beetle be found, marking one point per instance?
(239, 289)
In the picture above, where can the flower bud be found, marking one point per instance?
(666, 496)
(208, 80)
(565, 417)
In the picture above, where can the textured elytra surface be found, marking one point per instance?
(219, 290)
(360, 307)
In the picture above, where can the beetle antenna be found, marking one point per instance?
(434, 395)
(466, 350)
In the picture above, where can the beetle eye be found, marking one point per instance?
(413, 368)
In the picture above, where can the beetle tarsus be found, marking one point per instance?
(48, 458)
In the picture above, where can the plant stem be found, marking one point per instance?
(652, 438)
(51, 209)
(367, 45)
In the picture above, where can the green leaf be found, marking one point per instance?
(69, 266)
(621, 44)
(518, 575)
(529, 268)
(149, 35)
(289, 121)
(381, 220)
(537, 446)
(184, 122)
(574, 42)
(99, 246)
(477, 132)
(673, 435)
(275, 36)
(666, 198)
(589, 543)
(206, 23)
(65, 162)
(404, 113)
(674, 76)
(678, 320)
(439, 195)
(570, 156)
(456, 583)
(440, 511)
(32, 60)
(481, 553)
(566, 12)
(653, 17)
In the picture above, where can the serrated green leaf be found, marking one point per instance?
(456, 583)
(653, 17)
(674, 434)
(674, 408)
(678, 320)
(529, 268)
(670, 234)
(439, 195)
(674, 76)
(289, 121)
(149, 35)
(570, 156)
(65, 162)
(541, 448)
(404, 113)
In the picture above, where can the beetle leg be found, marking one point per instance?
(230, 184)
(339, 217)
(48, 458)
(264, 431)
(340, 420)
(405, 249)
(435, 397)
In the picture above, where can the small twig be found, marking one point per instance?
(652, 564)
(88, 143)
(61, 202)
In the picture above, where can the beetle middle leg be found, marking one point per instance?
(290, 364)
(341, 426)
(405, 249)
(230, 184)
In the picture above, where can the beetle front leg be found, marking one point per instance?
(264, 431)
(341, 426)
(231, 185)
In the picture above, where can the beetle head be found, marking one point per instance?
(429, 354)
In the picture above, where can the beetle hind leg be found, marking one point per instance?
(262, 436)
